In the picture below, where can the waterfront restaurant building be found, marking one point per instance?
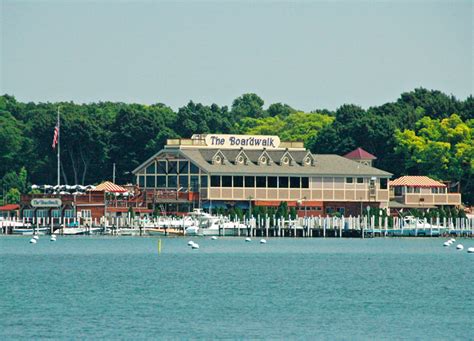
(213, 171)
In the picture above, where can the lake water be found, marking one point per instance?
(121, 288)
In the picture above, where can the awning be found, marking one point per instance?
(9, 207)
(109, 187)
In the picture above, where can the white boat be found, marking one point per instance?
(411, 222)
(71, 231)
(30, 231)
(209, 225)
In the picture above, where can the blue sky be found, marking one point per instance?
(307, 54)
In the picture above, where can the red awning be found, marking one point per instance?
(9, 207)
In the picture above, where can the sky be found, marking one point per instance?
(308, 54)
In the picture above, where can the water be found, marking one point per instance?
(105, 287)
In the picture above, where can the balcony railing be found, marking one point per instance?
(431, 199)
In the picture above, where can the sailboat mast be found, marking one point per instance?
(59, 148)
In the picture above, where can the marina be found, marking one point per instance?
(199, 223)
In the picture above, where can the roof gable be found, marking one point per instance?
(359, 154)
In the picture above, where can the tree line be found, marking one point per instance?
(424, 132)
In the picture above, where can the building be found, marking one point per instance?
(212, 171)
(421, 192)
(107, 199)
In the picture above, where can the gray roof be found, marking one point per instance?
(325, 164)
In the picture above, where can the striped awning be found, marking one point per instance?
(416, 181)
(110, 187)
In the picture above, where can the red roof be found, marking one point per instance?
(416, 181)
(10, 207)
(359, 154)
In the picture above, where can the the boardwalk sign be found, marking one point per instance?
(51, 202)
(245, 141)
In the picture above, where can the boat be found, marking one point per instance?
(210, 225)
(30, 231)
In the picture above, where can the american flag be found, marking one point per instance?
(55, 137)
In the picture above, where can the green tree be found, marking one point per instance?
(248, 105)
(12, 196)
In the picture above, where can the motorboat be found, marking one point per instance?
(210, 225)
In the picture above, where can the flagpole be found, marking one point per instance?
(59, 148)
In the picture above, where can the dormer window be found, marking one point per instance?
(308, 160)
(218, 158)
(264, 159)
(241, 159)
(286, 159)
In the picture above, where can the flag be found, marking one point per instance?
(56, 136)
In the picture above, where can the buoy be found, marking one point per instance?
(447, 244)
(195, 246)
(32, 241)
(263, 241)
(452, 240)
(36, 237)
(470, 250)
(53, 239)
(190, 243)
(248, 239)
(459, 247)
(213, 238)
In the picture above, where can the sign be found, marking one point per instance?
(245, 141)
(53, 202)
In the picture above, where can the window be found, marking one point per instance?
(215, 181)
(86, 214)
(249, 181)
(151, 169)
(161, 181)
(41, 213)
(341, 210)
(141, 181)
(416, 190)
(183, 167)
(272, 181)
(226, 181)
(183, 181)
(434, 190)
(305, 182)
(294, 182)
(56, 213)
(193, 169)
(194, 184)
(398, 191)
(172, 167)
(68, 213)
(349, 180)
(360, 180)
(283, 182)
(329, 210)
(161, 165)
(261, 181)
(238, 181)
(318, 208)
(383, 183)
(172, 181)
(150, 181)
(28, 213)
(203, 180)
